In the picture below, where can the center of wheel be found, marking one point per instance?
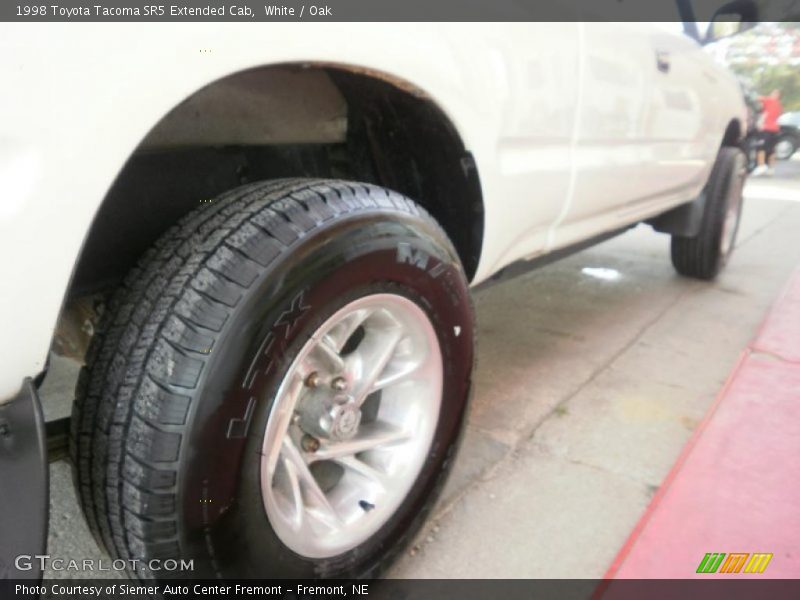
(335, 418)
(345, 419)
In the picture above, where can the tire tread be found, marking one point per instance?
(700, 256)
(143, 366)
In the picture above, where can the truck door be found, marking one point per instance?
(612, 156)
(526, 75)
(643, 143)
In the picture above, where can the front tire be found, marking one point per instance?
(704, 255)
(182, 435)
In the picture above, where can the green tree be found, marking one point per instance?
(767, 58)
(765, 78)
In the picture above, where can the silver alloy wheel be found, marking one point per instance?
(784, 149)
(351, 425)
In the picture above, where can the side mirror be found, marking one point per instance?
(731, 19)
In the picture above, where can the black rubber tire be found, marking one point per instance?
(703, 256)
(172, 404)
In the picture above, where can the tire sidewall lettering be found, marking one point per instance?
(334, 272)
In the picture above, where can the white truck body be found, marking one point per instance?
(574, 129)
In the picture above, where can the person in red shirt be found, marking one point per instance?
(771, 110)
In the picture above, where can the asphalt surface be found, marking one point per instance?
(593, 372)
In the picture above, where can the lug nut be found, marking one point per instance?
(339, 384)
(312, 380)
(309, 443)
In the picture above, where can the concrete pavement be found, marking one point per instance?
(593, 373)
(733, 487)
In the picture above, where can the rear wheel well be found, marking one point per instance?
(285, 121)
(733, 134)
(685, 220)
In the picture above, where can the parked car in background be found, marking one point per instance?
(789, 139)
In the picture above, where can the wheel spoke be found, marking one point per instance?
(361, 468)
(322, 510)
(326, 347)
(391, 375)
(297, 496)
(379, 350)
(285, 406)
(370, 437)
(343, 330)
(290, 398)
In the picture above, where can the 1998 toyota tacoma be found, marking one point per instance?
(271, 233)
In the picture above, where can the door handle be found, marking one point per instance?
(662, 61)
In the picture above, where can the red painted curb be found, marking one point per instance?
(771, 360)
(673, 473)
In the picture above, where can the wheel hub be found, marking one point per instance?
(334, 417)
(344, 420)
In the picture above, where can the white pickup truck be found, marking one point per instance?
(271, 233)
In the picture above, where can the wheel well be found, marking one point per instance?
(733, 134)
(309, 120)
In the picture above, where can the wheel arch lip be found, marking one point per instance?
(448, 112)
(735, 132)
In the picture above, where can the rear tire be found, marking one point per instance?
(174, 404)
(704, 255)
